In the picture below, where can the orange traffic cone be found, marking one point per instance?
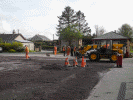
(82, 63)
(75, 64)
(66, 62)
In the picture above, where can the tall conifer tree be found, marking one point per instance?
(66, 19)
(82, 24)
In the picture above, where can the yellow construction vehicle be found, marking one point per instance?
(96, 52)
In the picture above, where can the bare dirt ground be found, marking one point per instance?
(45, 78)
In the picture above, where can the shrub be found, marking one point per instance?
(31, 51)
(12, 50)
(1, 40)
(131, 55)
(20, 49)
(16, 45)
(2, 45)
(47, 47)
(37, 44)
(7, 46)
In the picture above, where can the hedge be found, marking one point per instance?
(14, 46)
(47, 47)
(12, 50)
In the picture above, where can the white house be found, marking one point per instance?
(9, 38)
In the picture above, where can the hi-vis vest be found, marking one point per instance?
(63, 48)
(55, 48)
(74, 48)
(27, 49)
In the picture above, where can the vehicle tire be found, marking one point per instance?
(113, 58)
(94, 56)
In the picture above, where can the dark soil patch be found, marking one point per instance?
(40, 78)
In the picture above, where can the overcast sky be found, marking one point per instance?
(33, 17)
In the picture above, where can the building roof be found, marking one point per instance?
(9, 37)
(40, 37)
(110, 36)
(23, 41)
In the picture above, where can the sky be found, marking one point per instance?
(33, 17)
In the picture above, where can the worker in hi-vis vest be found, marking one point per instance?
(64, 50)
(27, 52)
(68, 50)
(55, 50)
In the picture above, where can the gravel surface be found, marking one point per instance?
(46, 78)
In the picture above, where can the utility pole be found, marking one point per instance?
(53, 43)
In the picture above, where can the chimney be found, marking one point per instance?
(18, 31)
(13, 32)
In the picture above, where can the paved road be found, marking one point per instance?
(117, 84)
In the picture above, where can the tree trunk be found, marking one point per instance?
(70, 43)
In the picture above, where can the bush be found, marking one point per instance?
(2, 45)
(12, 50)
(1, 40)
(47, 47)
(31, 51)
(131, 55)
(16, 45)
(37, 44)
(6, 46)
(20, 49)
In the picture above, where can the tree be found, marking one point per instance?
(82, 25)
(87, 40)
(99, 30)
(93, 35)
(71, 33)
(66, 19)
(125, 30)
(1, 40)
